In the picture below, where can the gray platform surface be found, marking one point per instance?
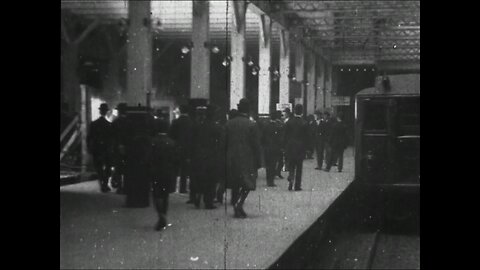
(97, 232)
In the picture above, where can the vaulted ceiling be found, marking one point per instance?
(343, 31)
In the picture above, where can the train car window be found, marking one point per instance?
(409, 116)
(375, 119)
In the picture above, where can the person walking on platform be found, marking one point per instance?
(99, 144)
(181, 133)
(328, 130)
(271, 141)
(162, 158)
(243, 155)
(205, 145)
(280, 124)
(338, 141)
(222, 164)
(296, 134)
(320, 138)
(137, 177)
(283, 164)
(311, 135)
(120, 130)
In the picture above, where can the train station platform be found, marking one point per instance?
(97, 232)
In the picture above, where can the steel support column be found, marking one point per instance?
(284, 89)
(200, 60)
(238, 49)
(264, 79)
(310, 88)
(139, 53)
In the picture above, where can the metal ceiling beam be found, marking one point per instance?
(260, 7)
(340, 37)
(321, 14)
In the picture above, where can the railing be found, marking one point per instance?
(74, 133)
(69, 128)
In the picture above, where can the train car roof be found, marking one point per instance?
(404, 84)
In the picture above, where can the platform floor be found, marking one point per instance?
(97, 232)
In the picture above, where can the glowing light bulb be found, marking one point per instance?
(215, 49)
(185, 49)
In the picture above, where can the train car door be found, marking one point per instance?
(374, 140)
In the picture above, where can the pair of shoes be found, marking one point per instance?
(318, 168)
(210, 206)
(298, 189)
(161, 224)
(238, 212)
(218, 201)
(327, 170)
(271, 185)
(339, 170)
(189, 201)
(290, 186)
(182, 191)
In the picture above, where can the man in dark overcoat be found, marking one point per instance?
(281, 157)
(205, 152)
(338, 141)
(272, 144)
(296, 136)
(329, 154)
(99, 144)
(243, 155)
(162, 162)
(320, 138)
(222, 163)
(311, 131)
(137, 180)
(181, 133)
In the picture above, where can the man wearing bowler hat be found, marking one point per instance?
(99, 144)
(296, 134)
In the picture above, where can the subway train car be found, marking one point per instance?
(387, 145)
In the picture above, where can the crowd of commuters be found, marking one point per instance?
(142, 152)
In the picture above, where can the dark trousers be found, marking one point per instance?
(103, 169)
(295, 172)
(336, 155)
(161, 202)
(183, 169)
(235, 195)
(320, 149)
(202, 184)
(207, 191)
(271, 158)
(280, 164)
(118, 173)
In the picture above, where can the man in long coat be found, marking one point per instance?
(320, 138)
(205, 147)
(296, 136)
(162, 159)
(338, 141)
(181, 133)
(99, 144)
(243, 155)
(272, 144)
